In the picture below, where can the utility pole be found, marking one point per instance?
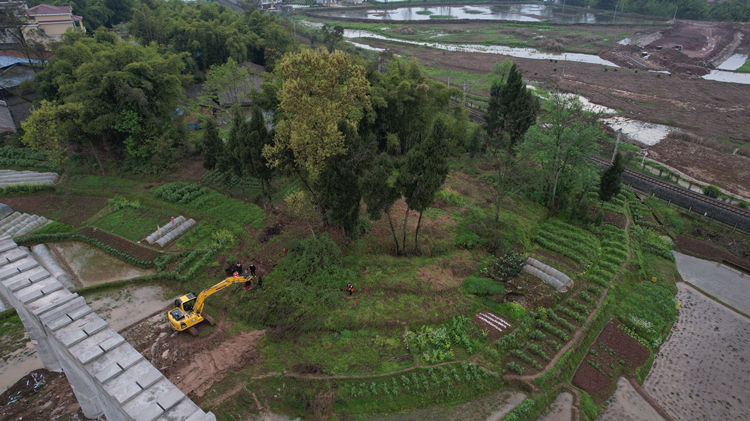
(294, 24)
(675, 13)
(617, 145)
(464, 103)
(614, 19)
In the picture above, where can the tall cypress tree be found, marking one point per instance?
(611, 180)
(211, 146)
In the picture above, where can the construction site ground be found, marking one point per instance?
(704, 108)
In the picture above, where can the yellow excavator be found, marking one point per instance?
(188, 310)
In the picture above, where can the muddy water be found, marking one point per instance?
(515, 12)
(118, 308)
(93, 266)
(19, 363)
(126, 307)
(730, 77)
(642, 132)
(734, 62)
(488, 49)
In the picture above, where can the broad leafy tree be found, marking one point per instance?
(561, 147)
(319, 91)
(258, 137)
(129, 95)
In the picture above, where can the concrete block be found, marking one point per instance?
(49, 289)
(90, 349)
(201, 416)
(30, 296)
(114, 362)
(149, 377)
(88, 354)
(149, 396)
(111, 343)
(55, 305)
(56, 313)
(125, 386)
(7, 245)
(28, 265)
(17, 284)
(95, 326)
(38, 276)
(73, 333)
(49, 298)
(59, 322)
(182, 411)
(7, 273)
(15, 256)
(72, 337)
(148, 412)
(80, 312)
(170, 399)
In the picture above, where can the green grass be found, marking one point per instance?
(442, 17)
(424, 12)
(133, 224)
(745, 67)
(98, 182)
(54, 228)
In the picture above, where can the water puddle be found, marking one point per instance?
(590, 106)
(646, 133)
(18, 364)
(125, 307)
(734, 62)
(488, 49)
(731, 77)
(93, 266)
(511, 12)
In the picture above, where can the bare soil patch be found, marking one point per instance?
(533, 291)
(700, 371)
(40, 396)
(615, 219)
(613, 353)
(70, 209)
(703, 249)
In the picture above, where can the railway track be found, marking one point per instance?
(681, 190)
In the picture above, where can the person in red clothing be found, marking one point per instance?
(350, 288)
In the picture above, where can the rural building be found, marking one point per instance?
(52, 21)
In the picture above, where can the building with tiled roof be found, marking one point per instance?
(53, 21)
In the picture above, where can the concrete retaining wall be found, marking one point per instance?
(688, 202)
(108, 376)
(165, 229)
(49, 262)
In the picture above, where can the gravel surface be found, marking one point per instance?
(702, 372)
(627, 405)
(724, 283)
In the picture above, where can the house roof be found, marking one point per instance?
(46, 9)
(9, 61)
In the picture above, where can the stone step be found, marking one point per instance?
(7, 221)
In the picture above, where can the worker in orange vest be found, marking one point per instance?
(350, 288)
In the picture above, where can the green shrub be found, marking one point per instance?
(317, 261)
(54, 228)
(506, 267)
(599, 218)
(520, 412)
(711, 191)
(588, 407)
(25, 157)
(25, 188)
(120, 202)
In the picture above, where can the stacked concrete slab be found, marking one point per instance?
(18, 224)
(109, 377)
(10, 177)
(48, 261)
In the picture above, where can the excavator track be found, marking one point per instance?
(193, 331)
(209, 319)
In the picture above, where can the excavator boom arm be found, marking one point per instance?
(216, 288)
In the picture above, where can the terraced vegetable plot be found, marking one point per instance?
(572, 242)
(701, 372)
(69, 209)
(613, 353)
